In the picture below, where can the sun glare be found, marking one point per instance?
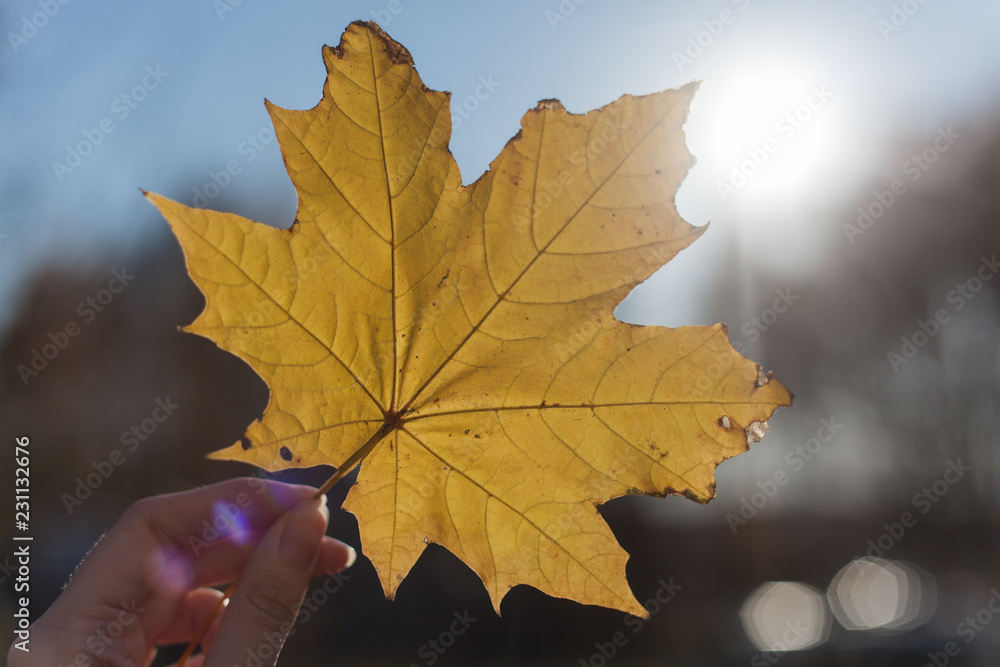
(772, 130)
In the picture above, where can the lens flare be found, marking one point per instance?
(785, 616)
(884, 595)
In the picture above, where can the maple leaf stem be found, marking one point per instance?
(228, 593)
(355, 458)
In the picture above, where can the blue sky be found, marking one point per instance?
(218, 61)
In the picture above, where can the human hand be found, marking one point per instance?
(146, 582)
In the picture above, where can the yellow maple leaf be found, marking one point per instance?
(460, 340)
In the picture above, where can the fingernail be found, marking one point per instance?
(304, 529)
(352, 556)
(323, 508)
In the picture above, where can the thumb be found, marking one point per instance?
(270, 589)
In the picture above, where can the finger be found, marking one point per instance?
(218, 527)
(200, 605)
(224, 561)
(203, 604)
(334, 557)
(258, 502)
(237, 524)
(270, 590)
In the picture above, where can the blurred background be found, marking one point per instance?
(848, 159)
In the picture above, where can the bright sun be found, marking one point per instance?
(773, 127)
